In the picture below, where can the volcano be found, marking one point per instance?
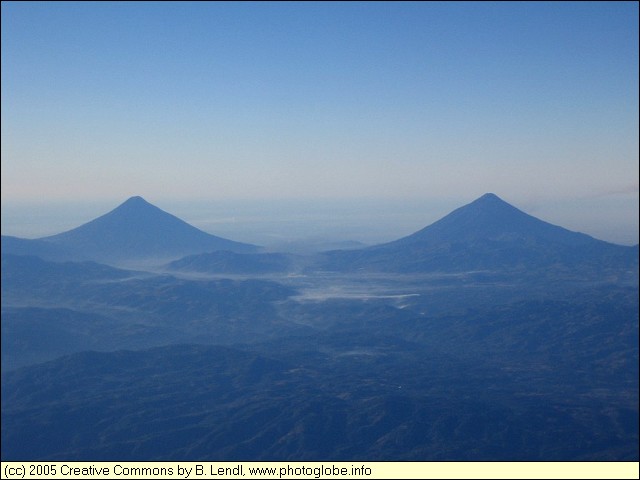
(138, 230)
(487, 234)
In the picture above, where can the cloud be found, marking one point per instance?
(623, 190)
(632, 188)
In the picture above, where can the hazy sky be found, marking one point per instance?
(428, 102)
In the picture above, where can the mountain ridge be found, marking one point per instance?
(485, 234)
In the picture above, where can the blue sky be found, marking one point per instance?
(433, 103)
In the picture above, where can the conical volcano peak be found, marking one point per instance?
(137, 209)
(490, 219)
(489, 199)
(139, 229)
(487, 234)
(135, 199)
(489, 209)
(135, 202)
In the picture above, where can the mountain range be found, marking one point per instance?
(488, 234)
(487, 335)
(290, 400)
